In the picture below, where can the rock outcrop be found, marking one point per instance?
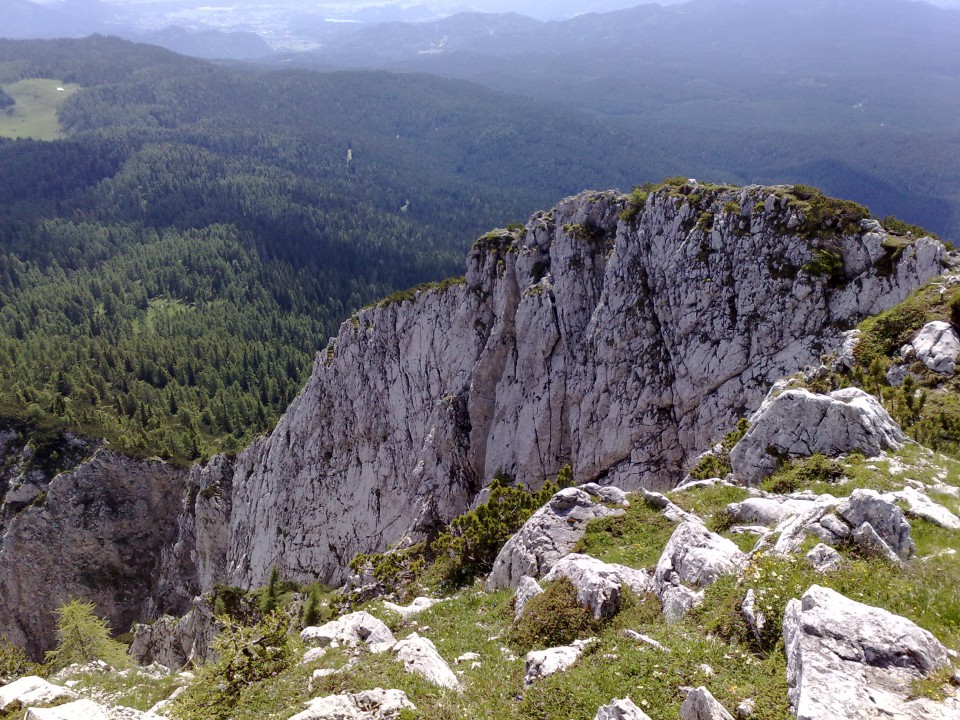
(701, 705)
(177, 642)
(419, 655)
(857, 662)
(549, 534)
(374, 704)
(693, 558)
(599, 585)
(542, 663)
(618, 339)
(937, 346)
(799, 423)
(624, 709)
(351, 630)
(98, 535)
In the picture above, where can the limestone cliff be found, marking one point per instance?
(618, 338)
(619, 334)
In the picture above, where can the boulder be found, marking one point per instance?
(374, 704)
(599, 584)
(549, 534)
(621, 710)
(414, 608)
(76, 710)
(541, 663)
(885, 519)
(695, 557)
(937, 345)
(419, 655)
(351, 630)
(798, 423)
(857, 662)
(767, 511)
(701, 705)
(527, 589)
(30, 690)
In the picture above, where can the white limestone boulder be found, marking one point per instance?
(767, 511)
(31, 690)
(377, 704)
(701, 705)
(599, 585)
(76, 710)
(857, 662)
(798, 423)
(885, 519)
(549, 534)
(351, 630)
(937, 345)
(692, 558)
(921, 506)
(624, 709)
(527, 589)
(419, 655)
(541, 663)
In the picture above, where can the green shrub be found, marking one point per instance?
(468, 546)
(14, 662)
(801, 473)
(247, 655)
(82, 637)
(825, 263)
(554, 617)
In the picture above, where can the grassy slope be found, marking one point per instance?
(35, 114)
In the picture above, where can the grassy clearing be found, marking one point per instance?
(130, 688)
(35, 113)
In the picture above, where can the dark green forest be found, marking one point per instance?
(170, 268)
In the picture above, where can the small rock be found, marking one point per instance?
(701, 705)
(745, 708)
(351, 630)
(621, 710)
(419, 655)
(377, 704)
(541, 663)
(754, 620)
(414, 608)
(645, 639)
(823, 558)
(313, 654)
(937, 345)
(467, 657)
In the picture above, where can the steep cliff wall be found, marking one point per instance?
(618, 339)
(619, 334)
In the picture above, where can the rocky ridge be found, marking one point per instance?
(619, 334)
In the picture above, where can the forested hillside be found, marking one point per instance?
(168, 270)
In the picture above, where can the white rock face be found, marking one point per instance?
(374, 704)
(30, 690)
(701, 705)
(351, 630)
(177, 642)
(937, 345)
(853, 661)
(541, 663)
(619, 346)
(419, 655)
(549, 534)
(798, 423)
(599, 585)
(693, 558)
(76, 710)
(624, 709)
(767, 510)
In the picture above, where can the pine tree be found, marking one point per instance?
(82, 637)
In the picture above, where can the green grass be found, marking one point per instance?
(35, 113)
(132, 689)
(635, 539)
